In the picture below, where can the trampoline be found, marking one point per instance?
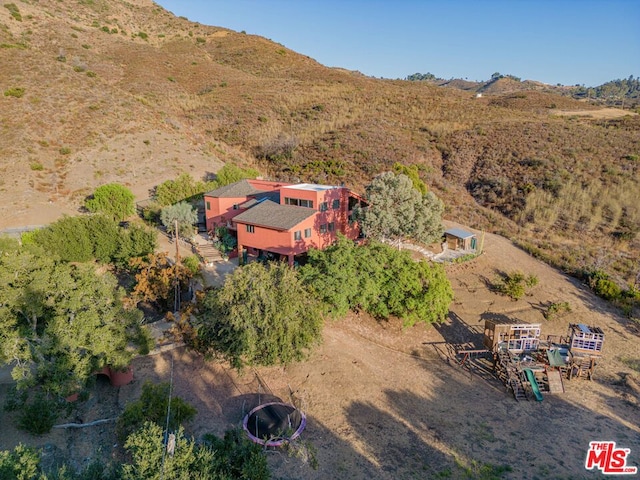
(274, 424)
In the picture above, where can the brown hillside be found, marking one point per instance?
(125, 91)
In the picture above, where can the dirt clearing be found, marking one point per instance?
(385, 403)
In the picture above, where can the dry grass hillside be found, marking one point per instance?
(106, 90)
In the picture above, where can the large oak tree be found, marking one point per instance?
(60, 322)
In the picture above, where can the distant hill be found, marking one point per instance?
(623, 93)
(98, 91)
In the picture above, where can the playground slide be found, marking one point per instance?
(534, 385)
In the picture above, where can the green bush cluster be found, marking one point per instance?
(557, 309)
(16, 92)
(93, 237)
(14, 11)
(380, 280)
(262, 315)
(186, 188)
(602, 285)
(112, 199)
(224, 241)
(515, 284)
(231, 457)
(152, 407)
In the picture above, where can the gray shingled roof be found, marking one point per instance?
(273, 215)
(260, 197)
(234, 190)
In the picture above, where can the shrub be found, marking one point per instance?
(19, 464)
(16, 92)
(38, 416)
(14, 11)
(80, 239)
(113, 200)
(232, 173)
(380, 280)
(224, 241)
(602, 285)
(152, 407)
(36, 166)
(185, 187)
(182, 215)
(192, 263)
(557, 309)
(515, 284)
(237, 456)
(607, 289)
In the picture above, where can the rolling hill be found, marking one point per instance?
(96, 91)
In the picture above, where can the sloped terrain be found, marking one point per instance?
(383, 402)
(106, 90)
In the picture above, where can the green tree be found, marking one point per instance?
(263, 315)
(238, 457)
(113, 200)
(397, 210)
(89, 237)
(136, 240)
(182, 213)
(67, 238)
(333, 275)
(379, 280)
(23, 463)
(149, 460)
(60, 322)
(186, 188)
(183, 188)
(230, 173)
(413, 173)
(152, 407)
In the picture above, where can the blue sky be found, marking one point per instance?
(554, 41)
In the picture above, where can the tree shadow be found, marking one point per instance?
(479, 423)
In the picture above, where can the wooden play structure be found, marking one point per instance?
(529, 366)
(585, 347)
(511, 335)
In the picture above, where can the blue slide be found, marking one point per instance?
(534, 385)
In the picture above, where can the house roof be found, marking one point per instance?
(273, 215)
(459, 233)
(261, 197)
(235, 190)
(314, 187)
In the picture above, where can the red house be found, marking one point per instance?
(281, 219)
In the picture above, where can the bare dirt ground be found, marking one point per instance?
(384, 402)
(39, 197)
